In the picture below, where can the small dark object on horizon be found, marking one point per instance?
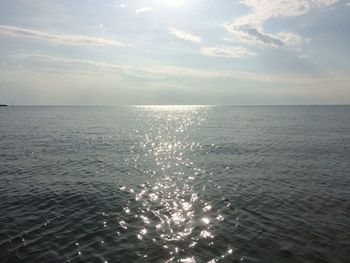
(3, 105)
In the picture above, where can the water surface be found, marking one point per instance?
(175, 184)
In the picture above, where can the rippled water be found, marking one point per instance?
(175, 184)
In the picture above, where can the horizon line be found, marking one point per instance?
(163, 105)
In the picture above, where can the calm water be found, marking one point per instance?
(175, 184)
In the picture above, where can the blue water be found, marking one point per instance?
(175, 184)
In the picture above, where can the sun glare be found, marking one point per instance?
(173, 3)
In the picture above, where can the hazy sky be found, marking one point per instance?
(175, 52)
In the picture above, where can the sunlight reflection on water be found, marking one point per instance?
(171, 210)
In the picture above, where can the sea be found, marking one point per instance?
(175, 184)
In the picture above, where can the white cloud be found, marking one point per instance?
(290, 39)
(120, 6)
(74, 40)
(144, 9)
(184, 35)
(203, 73)
(66, 61)
(152, 72)
(250, 28)
(67, 65)
(324, 2)
(229, 52)
(303, 56)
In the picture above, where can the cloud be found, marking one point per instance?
(324, 2)
(67, 61)
(250, 28)
(290, 39)
(153, 72)
(74, 40)
(120, 6)
(144, 9)
(205, 74)
(64, 65)
(229, 52)
(184, 35)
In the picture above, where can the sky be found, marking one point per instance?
(246, 52)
